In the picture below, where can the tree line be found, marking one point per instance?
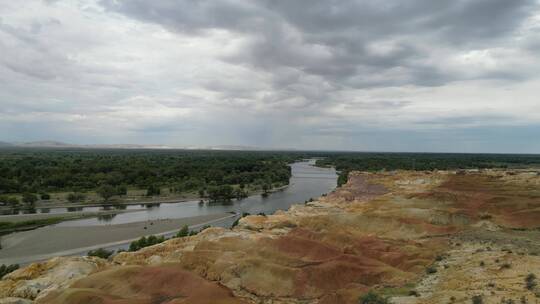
(346, 162)
(214, 174)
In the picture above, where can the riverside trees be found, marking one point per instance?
(106, 171)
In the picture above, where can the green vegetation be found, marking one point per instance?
(9, 200)
(219, 175)
(215, 175)
(106, 192)
(29, 198)
(5, 269)
(346, 162)
(75, 197)
(145, 242)
(100, 253)
(10, 226)
(235, 223)
(153, 190)
(183, 232)
(373, 298)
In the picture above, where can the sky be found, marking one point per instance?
(364, 75)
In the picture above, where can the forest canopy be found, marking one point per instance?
(50, 170)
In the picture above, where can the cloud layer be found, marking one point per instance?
(418, 75)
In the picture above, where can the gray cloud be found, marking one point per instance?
(338, 40)
(275, 73)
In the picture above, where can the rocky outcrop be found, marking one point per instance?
(37, 280)
(395, 232)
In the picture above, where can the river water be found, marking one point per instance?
(307, 181)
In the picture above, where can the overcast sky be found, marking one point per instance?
(393, 75)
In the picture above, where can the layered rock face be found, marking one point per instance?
(418, 237)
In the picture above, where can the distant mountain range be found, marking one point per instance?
(58, 144)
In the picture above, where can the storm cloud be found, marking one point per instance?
(354, 75)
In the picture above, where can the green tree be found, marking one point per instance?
(75, 197)
(145, 242)
(183, 232)
(342, 178)
(239, 193)
(100, 253)
(106, 192)
(121, 190)
(220, 193)
(9, 200)
(153, 190)
(29, 198)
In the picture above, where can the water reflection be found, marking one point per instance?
(106, 217)
(306, 182)
(150, 205)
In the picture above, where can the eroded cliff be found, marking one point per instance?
(419, 237)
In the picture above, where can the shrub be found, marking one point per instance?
(431, 270)
(530, 281)
(145, 242)
(5, 269)
(100, 253)
(9, 200)
(106, 192)
(183, 232)
(153, 190)
(204, 227)
(244, 214)
(506, 266)
(477, 300)
(75, 197)
(121, 190)
(485, 216)
(373, 298)
(29, 198)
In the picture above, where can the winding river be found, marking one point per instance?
(307, 181)
(116, 231)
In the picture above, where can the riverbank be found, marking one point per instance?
(131, 201)
(23, 222)
(47, 242)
